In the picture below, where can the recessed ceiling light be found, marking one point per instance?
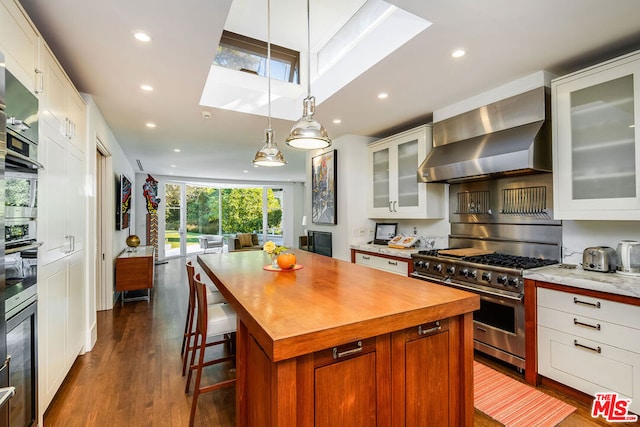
(142, 36)
(151, 125)
(146, 88)
(173, 166)
(245, 171)
(206, 114)
(337, 121)
(383, 95)
(458, 53)
(177, 150)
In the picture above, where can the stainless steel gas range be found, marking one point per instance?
(497, 278)
(499, 228)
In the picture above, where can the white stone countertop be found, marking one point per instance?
(384, 249)
(613, 283)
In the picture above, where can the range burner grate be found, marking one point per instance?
(499, 260)
(510, 261)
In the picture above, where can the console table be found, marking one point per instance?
(134, 272)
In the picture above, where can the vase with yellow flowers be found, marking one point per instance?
(273, 250)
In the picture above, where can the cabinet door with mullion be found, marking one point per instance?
(596, 145)
(380, 181)
(394, 190)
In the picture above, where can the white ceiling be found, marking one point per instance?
(504, 39)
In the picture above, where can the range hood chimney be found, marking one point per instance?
(509, 137)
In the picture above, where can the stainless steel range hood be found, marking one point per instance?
(508, 137)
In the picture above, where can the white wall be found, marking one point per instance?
(97, 129)
(578, 235)
(351, 197)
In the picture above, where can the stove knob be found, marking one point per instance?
(451, 269)
(426, 265)
(464, 272)
(473, 274)
(486, 277)
(419, 264)
(437, 267)
(513, 281)
(502, 280)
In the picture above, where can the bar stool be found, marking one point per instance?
(218, 320)
(213, 297)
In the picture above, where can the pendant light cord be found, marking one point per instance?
(269, 59)
(308, 50)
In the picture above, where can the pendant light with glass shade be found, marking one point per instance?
(269, 155)
(307, 133)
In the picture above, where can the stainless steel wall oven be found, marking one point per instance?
(20, 247)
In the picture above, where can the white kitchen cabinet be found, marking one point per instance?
(62, 196)
(61, 295)
(392, 265)
(63, 199)
(20, 43)
(393, 187)
(596, 147)
(590, 344)
(61, 105)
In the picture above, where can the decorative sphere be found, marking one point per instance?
(133, 241)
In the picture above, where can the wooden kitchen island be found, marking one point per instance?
(340, 344)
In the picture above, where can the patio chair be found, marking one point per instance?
(209, 241)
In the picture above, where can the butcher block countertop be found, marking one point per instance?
(327, 302)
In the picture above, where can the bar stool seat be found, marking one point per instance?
(222, 320)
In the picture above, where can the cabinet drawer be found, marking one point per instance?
(589, 328)
(595, 308)
(611, 369)
(381, 263)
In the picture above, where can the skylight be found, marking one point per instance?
(249, 55)
(371, 31)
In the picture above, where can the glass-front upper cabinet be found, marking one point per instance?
(394, 190)
(596, 147)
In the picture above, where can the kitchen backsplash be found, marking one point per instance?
(578, 235)
(432, 233)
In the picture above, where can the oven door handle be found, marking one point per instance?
(519, 298)
(36, 245)
(469, 288)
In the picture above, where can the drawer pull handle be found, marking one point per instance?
(393, 262)
(596, 326)
(365, 257)
(590, 304)
(586, 347)
(338, 354)
(436, 328)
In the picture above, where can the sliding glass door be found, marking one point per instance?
(192, 211)
(173, 220)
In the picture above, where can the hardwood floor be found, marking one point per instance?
(132, 375)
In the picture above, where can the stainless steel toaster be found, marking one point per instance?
(600, 258)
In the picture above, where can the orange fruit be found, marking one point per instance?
(286, 261)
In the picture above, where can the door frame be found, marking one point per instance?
(105, 204)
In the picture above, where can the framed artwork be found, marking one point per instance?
(324, 208)
(123, 203)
